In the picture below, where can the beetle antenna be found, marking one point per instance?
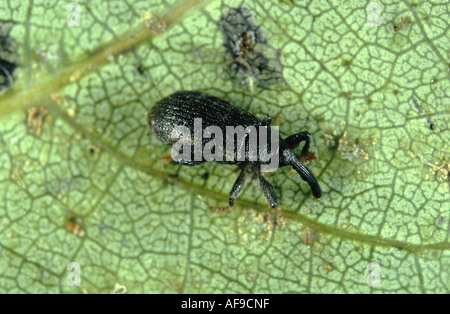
(306, 175)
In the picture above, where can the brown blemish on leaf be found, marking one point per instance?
(281, 221)
(400, 26)
(176, 287)
(36, 118)
(440, 170)
(119, 289)
(327, 266)
(311, 156)
(268, 219)
(73, 225)
(350, 148)
(330, 140)
(166, 157)
(153, 23)
(278, 221)
(309, 236)
(219, 209)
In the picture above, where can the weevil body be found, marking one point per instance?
(182, 108)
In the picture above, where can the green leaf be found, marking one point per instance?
(82, 182)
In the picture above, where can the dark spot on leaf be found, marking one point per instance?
(318, 119)
(93, 149)
(430, 122)
(434, 80)
(120, 289)
(300, 96)
(6, 78)
(140, 69)
(250, 59)
(396, 91)
(416, 105)
(440, 221)
(8, 56)
(345, 94)
(346, 63)
(172, 176)
(205, 176)
(369, 101)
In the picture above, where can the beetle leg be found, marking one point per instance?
(238, 185)
(294, 140)
(267, 189)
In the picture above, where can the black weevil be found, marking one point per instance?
(181, 108)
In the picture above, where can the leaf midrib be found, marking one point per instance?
(196, 189)
(29, 96)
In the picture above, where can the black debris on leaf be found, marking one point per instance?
(140, 69)
(8, 56)
(249, 58)
(205, 176)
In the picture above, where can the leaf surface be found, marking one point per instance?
(82, 182)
